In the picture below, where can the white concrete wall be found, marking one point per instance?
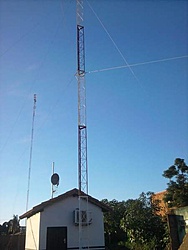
(32, 232)
(61, 214)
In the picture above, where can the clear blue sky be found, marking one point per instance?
(137, 121)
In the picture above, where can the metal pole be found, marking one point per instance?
(52, 195)
(31, 150)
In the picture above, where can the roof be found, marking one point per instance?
(161, 192)
(72, 193)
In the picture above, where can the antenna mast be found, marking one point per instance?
(31, 150)
(82, 132)
(82, 129)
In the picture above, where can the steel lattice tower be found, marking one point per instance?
(82, 128)
(82, 131)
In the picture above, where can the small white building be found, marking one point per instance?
(54, 224)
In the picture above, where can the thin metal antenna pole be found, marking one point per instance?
(31, 151)
(52, 195)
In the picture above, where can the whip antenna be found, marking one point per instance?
(31, 149)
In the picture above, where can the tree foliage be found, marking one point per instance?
(177, 190)
(114, 234)
(134, 224)
(10, 227)
(145, 229)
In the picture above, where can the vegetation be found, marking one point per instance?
(134, 224)
(177, 190)
(115, 236)
(10, 227)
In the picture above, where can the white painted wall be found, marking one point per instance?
(61, 214)
(32, 232)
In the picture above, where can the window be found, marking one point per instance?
(85, 217)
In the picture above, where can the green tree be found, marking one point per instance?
(114, 234)
(14, 225)
(10, 227)
(4, 229)
(145, 229)
(177, 190)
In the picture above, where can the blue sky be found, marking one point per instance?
(137, 119)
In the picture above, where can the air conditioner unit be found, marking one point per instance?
(85, 217)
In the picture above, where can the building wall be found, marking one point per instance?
(163, 207)
(61, 214)
(183, 211)
(32, 232)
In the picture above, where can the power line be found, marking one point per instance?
(122, 56)
(138, 64)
